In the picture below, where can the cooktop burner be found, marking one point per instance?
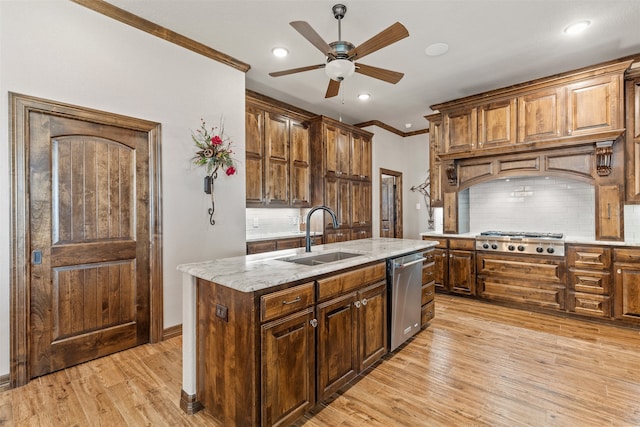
(523, 242)
(523, 234)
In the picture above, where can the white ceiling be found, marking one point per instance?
(492, 44)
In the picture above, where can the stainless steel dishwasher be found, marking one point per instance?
(404, 279)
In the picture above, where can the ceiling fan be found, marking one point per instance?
(342, 54)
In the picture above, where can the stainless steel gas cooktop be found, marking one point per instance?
(523, 242)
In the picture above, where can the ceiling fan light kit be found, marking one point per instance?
(340, 55)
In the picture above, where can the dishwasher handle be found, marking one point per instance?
(399, 266)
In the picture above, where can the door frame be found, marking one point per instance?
(398, 201)
(20, 252)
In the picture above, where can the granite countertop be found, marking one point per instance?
(249, 273)
(583, 240)
(284, 235)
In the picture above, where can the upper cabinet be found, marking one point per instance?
(360, 157)
(435, 165)
(278, 156)
(574, 108)
(336, 150)
(632, 144)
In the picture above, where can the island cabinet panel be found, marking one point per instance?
(372, 320)
(278, 304)
(627, 284)
(288, 368)
(522, 279)
(227, 355)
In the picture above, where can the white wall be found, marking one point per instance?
(410, 156)
(61, 51)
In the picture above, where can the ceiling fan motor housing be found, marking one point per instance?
(339, 11)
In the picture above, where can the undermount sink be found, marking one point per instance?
(322, 258)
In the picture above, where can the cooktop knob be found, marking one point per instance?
(485, 245)
(521, 248)
(494, 246)
(551, 250)
(539, 250)
(511, 247)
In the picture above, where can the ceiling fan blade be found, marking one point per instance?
(297, 70)
(310, 34)
(384, 38)
(379, 73)
(332, 89)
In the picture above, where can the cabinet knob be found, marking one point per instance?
(314, 323)
(364, 301)
(619, 271)
(444, 255)
(451, 256)
(357, 304)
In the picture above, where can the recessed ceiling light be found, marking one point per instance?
(576, 28)
(363, 96)
(436, 49)
(407, 125)
(280, 52)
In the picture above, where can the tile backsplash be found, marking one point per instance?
(263, 222)
(544, 204)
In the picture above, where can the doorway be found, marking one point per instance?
(390, 203)
(85, 236)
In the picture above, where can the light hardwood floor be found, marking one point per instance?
(477, 364)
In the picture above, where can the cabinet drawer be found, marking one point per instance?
(465, 244)
(441, 242)
(345, 282)
(589, 257)
(589, 304)
(429, 257)
(260, 247)
(428, 272)
(592, 282)
(523, 292)
(428, 292)
(287, 301)
(521, 267)
(627, 255)
(289, 243)
(428, 313)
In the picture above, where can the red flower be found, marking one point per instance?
(231, 171)
(216, 140)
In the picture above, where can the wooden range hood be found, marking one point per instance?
(563, 125)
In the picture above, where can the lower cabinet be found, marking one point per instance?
(454, 265)
(589, 286)
(428, 289)
(626, 268)
(288, 368)
(266, 358)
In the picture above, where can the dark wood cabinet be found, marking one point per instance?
(497, 124)
(589, 286)
(262, 246)
(428, 289)
(337, 196)
(337, 150)
(278, 156)
(540, 115)
(462, 272)
(288, 368)
(360, 157)
(632, 143)
(626, 269)
(609, 204)
(435, 164)
(361, 204)
(454, 265)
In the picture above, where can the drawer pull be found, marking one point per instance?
(293, 301)
(428, 293)
(313, 322)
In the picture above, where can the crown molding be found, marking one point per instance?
(391, 128)
(135, 21)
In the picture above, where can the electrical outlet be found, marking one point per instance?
(256, 222)
(222, 312)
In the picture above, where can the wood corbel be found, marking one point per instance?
(604, 158)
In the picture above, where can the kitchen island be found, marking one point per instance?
(249, 337)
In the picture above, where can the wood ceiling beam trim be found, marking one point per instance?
(135, 21)
(391, 128)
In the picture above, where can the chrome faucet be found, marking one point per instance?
(312, 210)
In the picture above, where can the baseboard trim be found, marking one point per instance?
(5, 382)
(172, 332)
(189, 403)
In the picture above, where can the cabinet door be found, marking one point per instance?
(632, 145)
(360, 157)
(594, 105)
(254, 152)
(337, 344)
(372, 324)
(441, 269)
(360, 204)
(288, 368)
(627, 291)
(460, 131)
(300, 165)
(497, 124)
(451, 213)
(338, 198)
(540, 115)
(277, 159)
(336, 150)
(260, 247)
(462, 272)
(435, 166)
(337, 236)
(609, 214)
(360, 233)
